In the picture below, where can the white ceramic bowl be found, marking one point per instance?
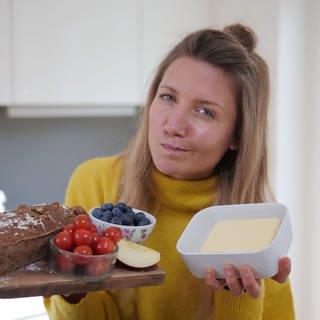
(264, 261)
(131, 233)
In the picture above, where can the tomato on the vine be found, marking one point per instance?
(82, 221)
(63, 240)
(113, 233)
(82, 236)
(104, 245)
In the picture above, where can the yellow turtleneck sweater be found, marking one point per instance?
(181, 296)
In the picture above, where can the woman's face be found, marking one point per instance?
(192, 119)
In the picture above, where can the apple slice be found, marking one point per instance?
(137, 255)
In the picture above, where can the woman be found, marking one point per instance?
(201, 141)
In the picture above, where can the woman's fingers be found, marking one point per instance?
(251, 285)
(284, 270)
(237, 282)
(231, 276)
(247, 281)
(212, 281)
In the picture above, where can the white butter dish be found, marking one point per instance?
(264, 261)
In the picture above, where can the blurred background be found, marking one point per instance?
(73, 74)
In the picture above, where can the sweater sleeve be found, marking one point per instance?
(275, 303)
(228, 306)
(278, 302)
(96, 305)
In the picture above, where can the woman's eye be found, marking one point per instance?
(204, 111)
(167, 97)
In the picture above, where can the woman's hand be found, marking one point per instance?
(284, 270)
(73, 298)
(246, 282)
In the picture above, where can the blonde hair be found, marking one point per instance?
(243, 173)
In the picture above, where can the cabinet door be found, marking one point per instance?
(75, 52)
(165, 23)
(5, 62)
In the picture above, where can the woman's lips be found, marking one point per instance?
(170, 147)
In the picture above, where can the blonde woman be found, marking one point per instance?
(201, 142)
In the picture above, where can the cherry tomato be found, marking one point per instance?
(82, 236)
(68, 228)
(82, 221)
(64, 263)
(95, 239)
(63, 240)
(83, 251)
(97, 268)
(113, 233)
(94, 228)
(105, 245)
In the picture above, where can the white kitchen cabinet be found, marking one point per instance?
(75, 52)
(5, 54)
(82, 58)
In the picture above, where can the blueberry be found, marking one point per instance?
(116, 220)
(130, 210)
(116, 212)
(122, 206)
(107, 206)
(107, 216)
(120, 214)
(138, 217)
(144, 222)
(97, 213)
(127, 219)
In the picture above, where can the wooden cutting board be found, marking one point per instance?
(36, 280)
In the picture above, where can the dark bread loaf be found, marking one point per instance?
(26, 230)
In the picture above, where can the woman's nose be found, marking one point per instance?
(177, 123)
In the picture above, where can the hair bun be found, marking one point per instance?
(245, 35)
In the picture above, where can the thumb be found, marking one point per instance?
(284, 270)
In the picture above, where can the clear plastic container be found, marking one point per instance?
(83, 267)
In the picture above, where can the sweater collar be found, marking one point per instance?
(184, 195)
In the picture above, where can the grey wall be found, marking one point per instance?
(37, 156)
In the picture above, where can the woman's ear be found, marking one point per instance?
(234, 145)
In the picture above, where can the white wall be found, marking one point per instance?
(298, 121)
(263, 17)
(291, 122)
(289, 36)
